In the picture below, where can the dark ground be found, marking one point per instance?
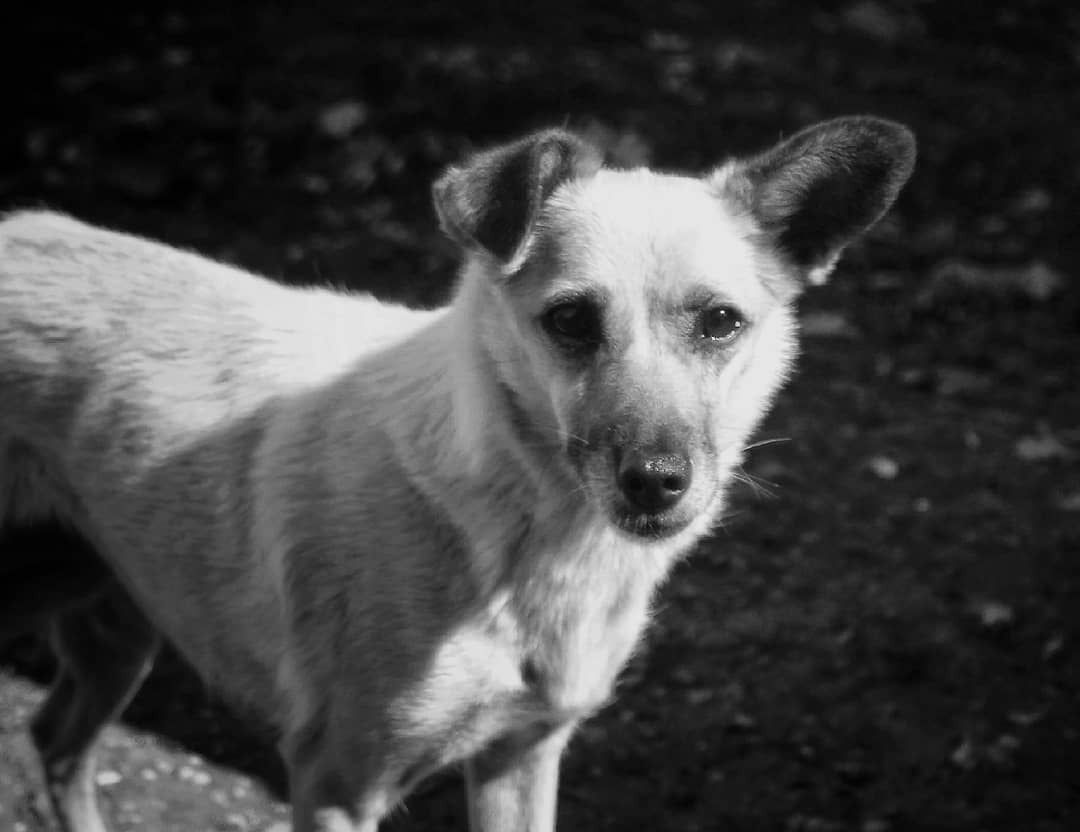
(888, 637)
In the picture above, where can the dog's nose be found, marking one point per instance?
(654, 482)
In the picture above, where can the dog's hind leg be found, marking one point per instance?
(104, 649)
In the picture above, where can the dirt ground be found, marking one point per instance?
(886, 635)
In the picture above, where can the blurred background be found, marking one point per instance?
(884, 635)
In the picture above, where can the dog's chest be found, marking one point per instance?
(573, 617)
(526, 669)
(573, 644)
(544, 650)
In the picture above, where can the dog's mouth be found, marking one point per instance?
(650, 526)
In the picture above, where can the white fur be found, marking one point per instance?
(361, 520)
(289, 451)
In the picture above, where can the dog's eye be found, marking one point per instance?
(722, 323)
(575, 321)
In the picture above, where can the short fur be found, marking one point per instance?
(399, 535)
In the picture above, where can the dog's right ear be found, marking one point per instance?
(491, 202)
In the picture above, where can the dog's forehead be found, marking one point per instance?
(664, 233)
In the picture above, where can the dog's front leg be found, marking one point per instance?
(312, 812)
(325, 796)
(513, 785)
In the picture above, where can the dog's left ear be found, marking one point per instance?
(817, 191)
(492, 201)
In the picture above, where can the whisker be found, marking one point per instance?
(760, 487)
(560, 434)
(765, 442)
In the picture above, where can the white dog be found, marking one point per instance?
(407, 539)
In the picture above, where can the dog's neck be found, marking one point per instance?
(491, 419)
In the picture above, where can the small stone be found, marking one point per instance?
(190, 774)
(827, 325)
(963, 756)
(958, 381)
(994, 615)
(993, 224)
(1002, 752)
(809, 823)
(913, 377)
(341, 119)
(663, 41)
(880, 21)
(315, 184)
(884, 467)
(176, 57)
(1026, 719)
(699, 696)
(1041, 448)
(1032, 201)
(37, 143)
(1069, 502)
(1053, 647)
(853, 771)
(107, 778)
(1036, 280)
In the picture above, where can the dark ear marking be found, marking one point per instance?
(492, 201)
(817, 191)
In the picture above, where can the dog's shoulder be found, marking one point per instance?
(29, 237)
(43, 244)
(49, 237)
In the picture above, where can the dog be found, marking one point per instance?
(407, 539)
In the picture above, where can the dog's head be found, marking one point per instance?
(639, 323)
